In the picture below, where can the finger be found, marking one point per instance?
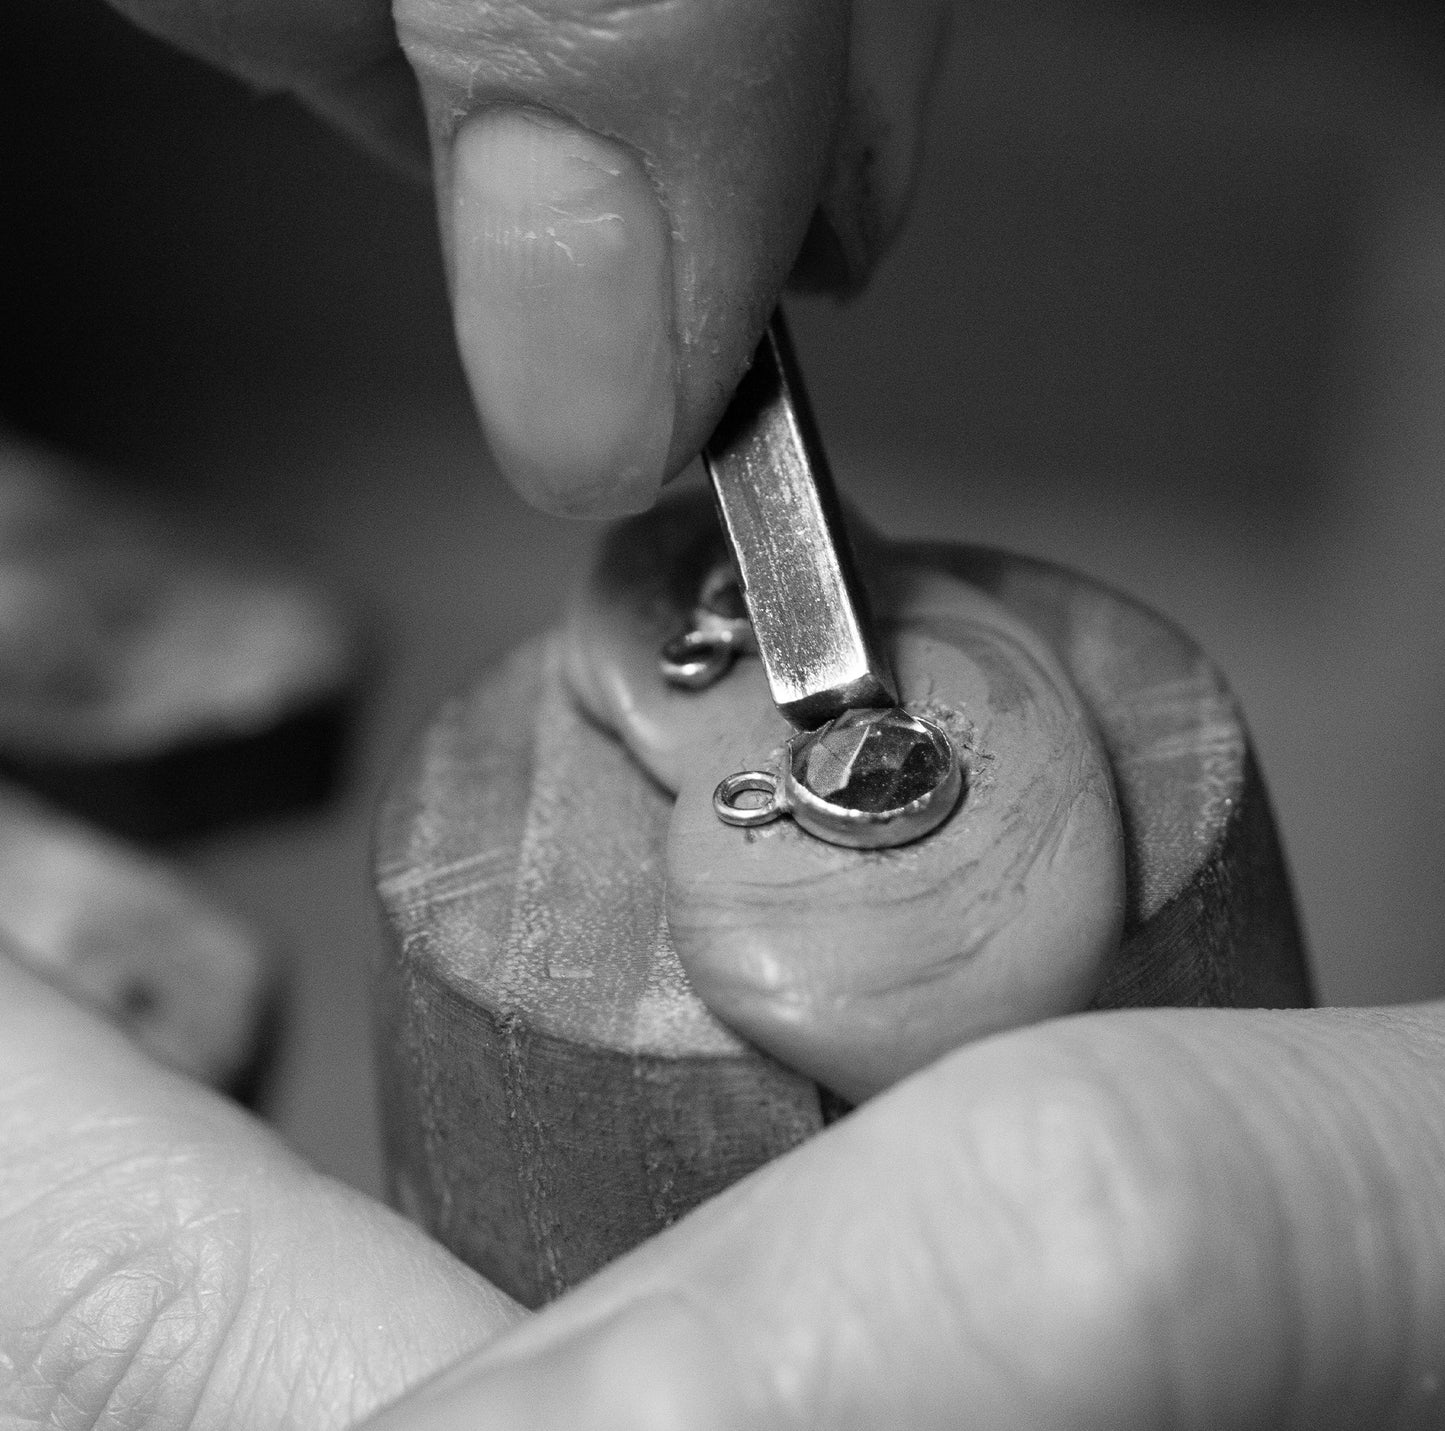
(340, 56)
(166, 1262)
(860, 967)
(895, 50)
(1193, 1219)
(623, 190)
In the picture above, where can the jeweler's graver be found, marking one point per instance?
(785, 529)
(864, 772)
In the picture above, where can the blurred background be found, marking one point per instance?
(1172, 311)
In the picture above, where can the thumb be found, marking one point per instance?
(1156, 1218)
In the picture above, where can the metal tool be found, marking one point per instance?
(863, 772)
(785, 529)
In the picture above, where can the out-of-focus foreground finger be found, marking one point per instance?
(167, 1263)
(1193, 1219)
(623, 191)
(339, 56)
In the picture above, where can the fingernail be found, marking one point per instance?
(563, 279)
(652, 1366)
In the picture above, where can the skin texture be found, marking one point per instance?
(695, 93)
(750, 132)
(1192, 1219)
(167, 1263)
(859, 968)
(1162, 1218)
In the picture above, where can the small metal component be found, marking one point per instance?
(695, 660)
(869, 779)
(871, 774)
(755, 782)
(783, 523)
(720, 632)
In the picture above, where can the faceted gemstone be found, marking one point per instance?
(873, 760)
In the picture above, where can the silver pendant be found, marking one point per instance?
(864, 772)
(869, 779)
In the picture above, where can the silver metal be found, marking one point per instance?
(720, 632)
(762, 782)
(787, 792)
(785, 528)
(877, 828)
(864, 772)
(696, 659)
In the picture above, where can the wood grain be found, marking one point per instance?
(550, 1084)
(554, 1092)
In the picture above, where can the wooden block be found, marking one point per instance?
(553, 1092)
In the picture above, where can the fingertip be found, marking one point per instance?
(564, 310)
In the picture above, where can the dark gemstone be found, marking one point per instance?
(873, 760)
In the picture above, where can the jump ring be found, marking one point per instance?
(696, 659)
(762, 781)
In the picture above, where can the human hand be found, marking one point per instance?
(622, 191)
(166, 1262)
(825, 1311)
(163, 1259)
(858, 969)
(1124, 1220)
(1131, 1220)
